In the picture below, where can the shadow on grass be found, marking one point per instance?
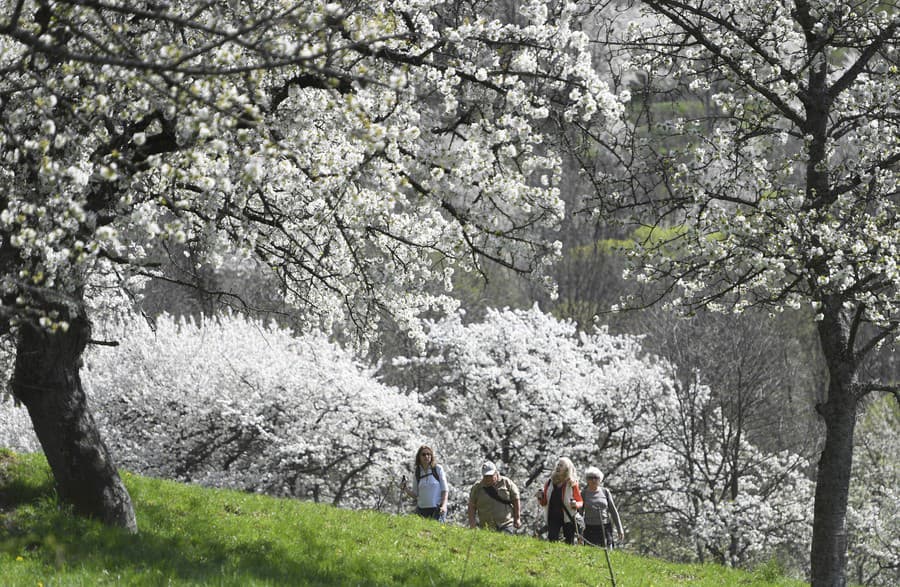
(16, 489)
(14, 493)
(262, 561)
(69, 542)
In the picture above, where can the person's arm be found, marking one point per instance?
(576, 495)
(472, 523)
(542, 495)
(445, 489)
(405, 487)
(516, 506)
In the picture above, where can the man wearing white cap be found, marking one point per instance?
(495, 500)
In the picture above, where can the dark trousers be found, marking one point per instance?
(597, 535)
(430, 513)
(555, 525)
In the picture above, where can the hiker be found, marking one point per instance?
(495, 499)
(561, 499)
(431, 489)
(600, 513)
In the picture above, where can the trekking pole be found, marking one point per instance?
(612, 576)
(605, 546)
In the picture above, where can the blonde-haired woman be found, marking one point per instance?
(561, 499)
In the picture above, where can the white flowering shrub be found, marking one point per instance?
(16, 432)
(234, 403)
(522, 388)
(721, 498)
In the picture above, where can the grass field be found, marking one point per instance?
(195, 536)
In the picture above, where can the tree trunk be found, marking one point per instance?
(829, 544)
(47, 381)
(828, 557)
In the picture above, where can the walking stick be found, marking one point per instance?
(605, 546)
(612, 576)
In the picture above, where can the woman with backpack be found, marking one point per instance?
(561, 499)
(431, 489)
(600, 513)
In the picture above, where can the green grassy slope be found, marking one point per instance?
(195, 536)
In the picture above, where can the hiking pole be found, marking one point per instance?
(612, 577)
(605, 547)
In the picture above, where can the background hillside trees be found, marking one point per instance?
(761, 370)
(783, 194)
(360, 151)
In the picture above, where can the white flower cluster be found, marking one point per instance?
(230, 402)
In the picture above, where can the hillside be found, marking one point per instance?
(196, 536)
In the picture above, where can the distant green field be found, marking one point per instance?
(195, 536)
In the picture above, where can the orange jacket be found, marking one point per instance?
(571, 491)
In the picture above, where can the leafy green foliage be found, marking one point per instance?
(200, 536)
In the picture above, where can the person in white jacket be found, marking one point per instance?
(561, 500)
(431, 488)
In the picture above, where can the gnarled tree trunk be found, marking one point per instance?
(47, 381)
